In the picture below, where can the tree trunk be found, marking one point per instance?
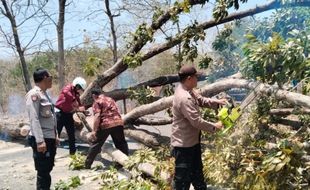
(60, 39)
(19, 49)
(113, 32)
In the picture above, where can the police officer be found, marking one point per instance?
(67, 103)
(42, 137)
(186, 127)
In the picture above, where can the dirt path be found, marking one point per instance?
(17, 168)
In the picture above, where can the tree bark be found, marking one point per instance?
(288, 111)
(60, 39)
(120, 94)
(152, 121)
(19, 49)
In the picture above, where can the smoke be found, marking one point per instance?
(125, 80)
(16, 104)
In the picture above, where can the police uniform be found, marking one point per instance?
(185, 137)
(42, 129)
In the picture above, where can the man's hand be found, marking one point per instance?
(222, 102)
(219, 125)
(81, 109)
(41, 147)
(57, 141)
(91, 136)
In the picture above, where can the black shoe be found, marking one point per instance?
(87, 166)
(117, 166)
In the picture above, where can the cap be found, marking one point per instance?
(188, 70)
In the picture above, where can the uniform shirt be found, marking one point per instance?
(41, 115)
(109, 113)
(187, 120)
(68, 96)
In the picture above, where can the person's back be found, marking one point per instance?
(107, 121)
(109, 113)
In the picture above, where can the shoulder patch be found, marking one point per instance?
(34, 97)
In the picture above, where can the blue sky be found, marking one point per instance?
(80, 24)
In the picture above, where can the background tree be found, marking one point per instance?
(60, 40)
(27, 11)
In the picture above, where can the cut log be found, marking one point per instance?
(12, 126)
(122, 158)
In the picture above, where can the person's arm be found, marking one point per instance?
(96, 122)
(97, 109)
(191, 113)
(208, 102)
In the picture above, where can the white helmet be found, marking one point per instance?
(79, 81)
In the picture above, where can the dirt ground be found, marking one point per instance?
(17, 167)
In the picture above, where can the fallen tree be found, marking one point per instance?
(120, 66)
(220, 86)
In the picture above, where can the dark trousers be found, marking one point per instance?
(66, 119)
(118, 138)
(188, 168)
(43, 162)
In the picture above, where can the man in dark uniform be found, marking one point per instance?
(68, 102)
(186, 127)
(42, 137)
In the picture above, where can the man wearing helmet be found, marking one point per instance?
(68, 102)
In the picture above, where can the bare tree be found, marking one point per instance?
(113, 31)
(8, 11)
(60, 39)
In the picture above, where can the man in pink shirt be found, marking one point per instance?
(186, 127)
(68, 102)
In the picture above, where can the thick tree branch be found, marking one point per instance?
(152, 121)
(217, 87)
(119, 94)
(288, 111)
(120, 66)
(209, 24)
